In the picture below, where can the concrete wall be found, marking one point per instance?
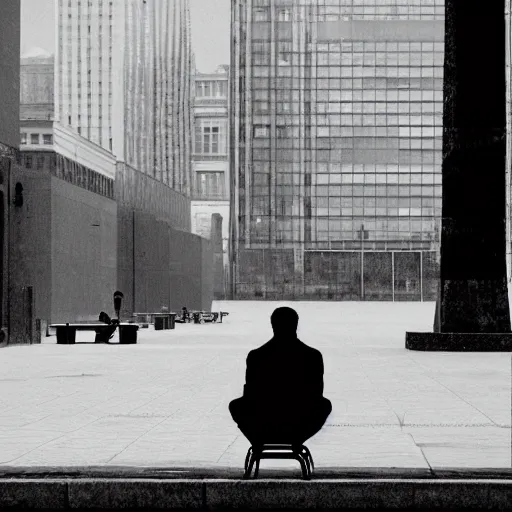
(165, 267)
(138, 191)
(207, 273)
(84, 252)
(10, 72)
(74, 247)
(30, 253)
(152, 272)
(218, 264)
(201, 216)
(125, 259)
(63, 245)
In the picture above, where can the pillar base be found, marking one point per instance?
(458, 342)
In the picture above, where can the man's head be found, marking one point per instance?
(284, 321)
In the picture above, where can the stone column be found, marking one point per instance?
(473, 294)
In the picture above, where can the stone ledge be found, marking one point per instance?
(354, 494)
(135, 493)
(33, 494)
(458, 342)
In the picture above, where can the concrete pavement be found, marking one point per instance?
(163, 403)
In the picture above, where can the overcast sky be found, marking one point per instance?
(210, 29)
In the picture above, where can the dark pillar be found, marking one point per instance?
(473, 294)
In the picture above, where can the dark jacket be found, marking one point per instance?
(283, 374)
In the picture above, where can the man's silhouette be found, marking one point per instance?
(282, 400)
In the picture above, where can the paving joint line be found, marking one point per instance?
(229, 446)
(136, 439)
(454, 393)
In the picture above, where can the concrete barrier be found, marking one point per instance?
(181, 494)
(33, 494)
(136, 493)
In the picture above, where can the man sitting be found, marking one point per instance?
(104, 334)
(283, 394)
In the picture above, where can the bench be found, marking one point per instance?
(200, 317)
(161, 321)
(66, 333)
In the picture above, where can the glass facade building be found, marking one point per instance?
(336, 148)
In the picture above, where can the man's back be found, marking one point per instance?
(283, 390)
(284, 372)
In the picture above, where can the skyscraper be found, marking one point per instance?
(336, 129)
(123, 81)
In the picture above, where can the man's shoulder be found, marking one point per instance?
(310, 350)
(255, 352)
(300, 347)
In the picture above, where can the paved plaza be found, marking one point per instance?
(164, 402)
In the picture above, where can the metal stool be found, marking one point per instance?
(279, 451)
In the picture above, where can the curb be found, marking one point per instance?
(286, 494)
(113, 472)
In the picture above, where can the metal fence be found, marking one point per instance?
(271, 274)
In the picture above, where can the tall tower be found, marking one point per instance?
(84, 68)
(336, 128)
(123, 80)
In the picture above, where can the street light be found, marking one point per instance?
(363, 234)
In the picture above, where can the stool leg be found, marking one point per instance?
(303, 453)
(257, 469)
(305, 472)
(248, 458)
(309, 456)
(254, 457)
(308, 464)
(248, 470)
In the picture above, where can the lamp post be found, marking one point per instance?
(361, 234)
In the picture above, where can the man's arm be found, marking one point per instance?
(318, 377)
(249, 377)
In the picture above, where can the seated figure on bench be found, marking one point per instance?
(283, 394)
(104, 334)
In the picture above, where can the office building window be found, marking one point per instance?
(210, 185)
(284, 15)
(261, 14)
(47, 139)
(23, 137)
(211, 88)
(261, 131)
(34, 138)
(211, 137)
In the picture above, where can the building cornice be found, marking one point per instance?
(210, 113)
